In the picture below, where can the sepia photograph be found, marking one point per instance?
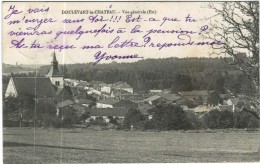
(130, 82)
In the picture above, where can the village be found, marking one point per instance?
(106, 102)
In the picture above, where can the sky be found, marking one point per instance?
(165, 11)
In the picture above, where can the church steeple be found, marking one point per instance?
(55, 63)
(54, 71)
(54, 74)
(54, 57)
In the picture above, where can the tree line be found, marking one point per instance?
(167, 117)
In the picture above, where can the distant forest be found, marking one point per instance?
(177, 74)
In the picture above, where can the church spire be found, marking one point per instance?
(54, 57)
(54, 63)
(54, 71)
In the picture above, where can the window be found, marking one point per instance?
(57, 83)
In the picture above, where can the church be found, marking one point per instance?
(51, 87)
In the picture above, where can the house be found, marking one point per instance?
(106, 88)
(170, 96)
(120, 94)
(232, 101)
(106, 103)
(230, 108)
(123, 86)
(155, 99)
(105, 113)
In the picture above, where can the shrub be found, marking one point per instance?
(246, 120)
(133, 118)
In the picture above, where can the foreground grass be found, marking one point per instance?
(29, 145)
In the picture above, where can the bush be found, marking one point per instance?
(194, 121)
(246, 120)
(216, 119)
(98, 121)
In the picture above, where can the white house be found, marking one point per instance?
(124, 86)
(106, 88)
(232, 102)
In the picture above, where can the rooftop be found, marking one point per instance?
(64, 103)
(39, 87)
(152, 98)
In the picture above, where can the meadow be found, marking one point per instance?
(35, 145)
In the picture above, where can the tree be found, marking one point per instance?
(212, 119)
(68, 116)
(194, 120)
(236, 24)
(24, 104)
(214, 99)
(133, 118)
(246, 120)
(84, 116)
(168, 117)
(182, 83)
(216, 119)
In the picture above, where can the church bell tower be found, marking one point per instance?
(54, 74)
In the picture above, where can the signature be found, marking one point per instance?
(99, 56)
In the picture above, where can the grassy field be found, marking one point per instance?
(29, 145)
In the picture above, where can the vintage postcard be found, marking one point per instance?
(130, 82)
